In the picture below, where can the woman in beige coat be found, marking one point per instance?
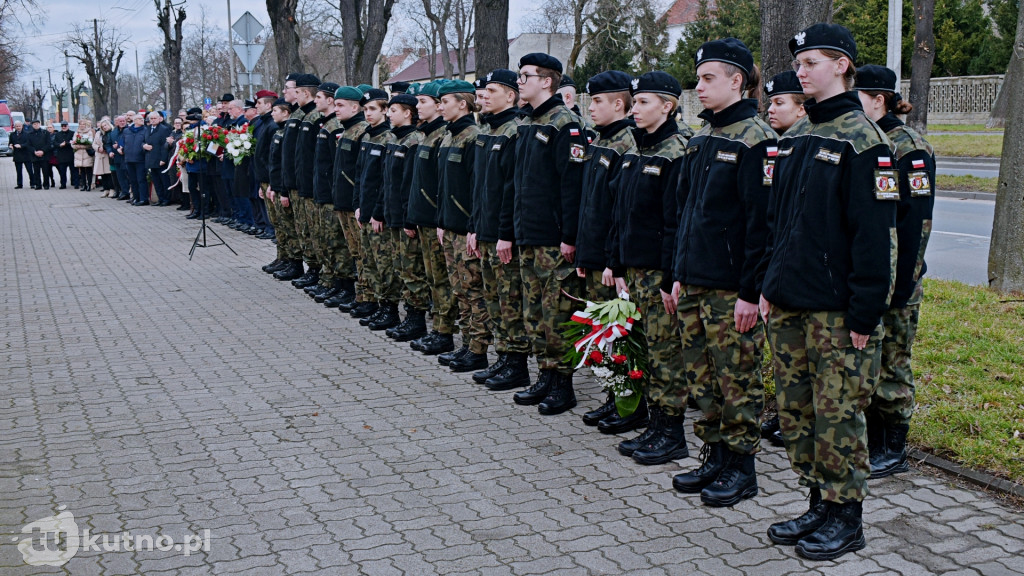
(82, 142)
(101, 167)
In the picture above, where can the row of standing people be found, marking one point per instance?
(76, 156)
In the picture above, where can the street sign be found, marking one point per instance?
(250, 79)
(248, 27)
(207, 101)
(249, 54)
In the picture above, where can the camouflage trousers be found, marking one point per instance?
(353, 238)
(303, 208)
(369, 275)
(436, 268)
(467, 283)
(545, 275)
(409, 264)
(390, 245)
(823, 385)
(594, 290)
(273, 217)
(503, 296)
(335, 259)
(666, 386)
(285, 230)
(722, 368)
(893, 398)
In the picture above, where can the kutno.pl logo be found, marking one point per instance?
(55, 540)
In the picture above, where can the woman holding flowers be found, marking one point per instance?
(84, 153)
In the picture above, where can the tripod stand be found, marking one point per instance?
(202, 230)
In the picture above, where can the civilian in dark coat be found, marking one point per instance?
(64, 152)
(155, 146)
(23, 153)
(39, 143)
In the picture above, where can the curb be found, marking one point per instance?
(962, 195)
(981, 479)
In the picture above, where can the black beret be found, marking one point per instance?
(479, 84)
(407, 99)
(399, 87)
(728, 50)
(194, 117)
(541, 60)
(566, 81)
(194, 110)
(823, 36)
(291, 76)
(875, 78)
(656, 82)
(373, 94)
(306, 80)
(282, 102)
(784, 83)
(609, 81)
(227, 97)
(329, 87)
(250, 104)
(504, 77)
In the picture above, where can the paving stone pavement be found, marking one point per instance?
(148, 394)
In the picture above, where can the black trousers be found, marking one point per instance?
(63, 168)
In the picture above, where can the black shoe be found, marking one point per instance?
(482, 376)
(468, 362)
(61, 188)
(561, 397)
(254, 231)
(538, 392)
(347, 306)
(447, 358)
(183, 207)
(604, 411)
(268, 267)
(770, 431)
(892, 457)
(616, 424)
(372, 317)
(842, 532)
(344, 297)
(265, 235)
(439, 344)
(316, 290)
(327, 294)
(418, 344)
(712, 462)
(514, 374)
(389, 318)
(310, 278)
(363, 310)
(192, 216)
(290, 272)
(628, 447)
(791, 531)
(669, 444)
(737, 482)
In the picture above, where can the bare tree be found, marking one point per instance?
(205, 56)
(438, 12)
(322, 47)
(462, 26)
(491, 35)
(170, 22)
(1006, 254)
(14, 14)
(100, 53)
(364, 24)
(286, 35)
(780, 21)
(921, 64)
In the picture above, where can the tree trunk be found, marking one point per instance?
(286, 35)
(921, 64)
(579, 8)
(439, 22)
(491, 35)
(363, 28)
(780, 21)
(172, 49)
(1006, 253)
(997, 117)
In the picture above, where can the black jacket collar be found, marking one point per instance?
(499, 118)
(346, 124)
(614, 128)
(461, 124)
(432, 125)
(889, 122)
(548, 104)
(832, 108)
(309, 107)
(376, 130)
(733, 113)
(402, 131)
(648, 140)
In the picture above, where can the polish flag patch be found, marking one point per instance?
(574, 132)
(917, 164)
(884, 162)
(773, 151)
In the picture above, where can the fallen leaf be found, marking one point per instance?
(367, 427)
(316, 413)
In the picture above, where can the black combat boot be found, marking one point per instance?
(390, 332)
(388, 319)
(841, 533)
(446, 358)
(468, 362)
(316, 289)
(515, 374)
(628, 447)
(791, 531)
(538, 392)
(310, 278)
(561, 397)
(439, 344)
(712, 461)
(419, 344)
(892, 458)
(268, 267)
(738, 481)
(669, 444)
(332, 290)
(290, 272)
(366, 321)
(482, 376)
(345, 296)
(603, 411)
(415, 326)
(770, 431)
(363, 310)
(616, 424)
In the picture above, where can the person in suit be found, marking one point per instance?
(39, 144)
(155, 147)
(22, 154)
(65, 153)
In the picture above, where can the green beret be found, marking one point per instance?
(456, 86)
(413, 89)
(364, 88)
(348, 93)
(429, 89)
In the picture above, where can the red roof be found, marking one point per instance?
(420, 69)
(683, 12)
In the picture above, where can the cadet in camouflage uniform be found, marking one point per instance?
(609, 107)
(309, 141)
(493, 231)
(892, 404)
(422, 215)
(346, 103)
(455, 205)
(642, 238)
(287, 231)
(302, 168)
(827, 279)
(336, 281)
(550, 150)
(283, 231)
(403, 247)
(369, 174)
(723, 198)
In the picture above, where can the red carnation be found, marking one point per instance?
(636, 374)
(596, 356)
(619, 358)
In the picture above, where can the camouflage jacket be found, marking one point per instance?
(723, 201)
(455, 175)
(832, 215)
(423, 188)
(370, 169)
(401, 149)
(276, 182)
(345, 157)
(494, 187)
(597, 202)
(323, 160)
(291, 135)
(305, 151)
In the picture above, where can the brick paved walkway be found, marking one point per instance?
(153, 395)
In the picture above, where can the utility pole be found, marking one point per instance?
(138, 81)
(71, 80)
(894, 49)
(231, 41)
